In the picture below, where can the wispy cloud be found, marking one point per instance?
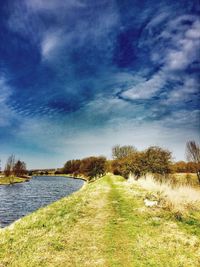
(146, 89)
(175, 49)
(50, 44)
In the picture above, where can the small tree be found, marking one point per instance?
(19, 168)
(133, 164)
(193, 154)
(158, 160)
(8, 171)
(72, 166)
(93, 167)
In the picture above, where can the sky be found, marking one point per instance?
(80, 76)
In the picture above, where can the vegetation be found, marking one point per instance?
(151, 220)
(91, 167)
(104, 224)
(13, 171)
(19, 168)
(7, 180)
(189, 179)
(193, 154)
(8, 172)
(185, 167)
(178, 199)
(154, 160)
(127, 160)
(121, 152)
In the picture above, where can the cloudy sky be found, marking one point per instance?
(79, 76)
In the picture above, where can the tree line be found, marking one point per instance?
(128, 160)
(90, 167)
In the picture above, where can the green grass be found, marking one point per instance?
(104, 224)
(10, 180)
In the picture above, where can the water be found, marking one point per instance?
(18, 200)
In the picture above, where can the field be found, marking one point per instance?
(105, 224)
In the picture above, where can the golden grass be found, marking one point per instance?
(179, 198)
(184, 179)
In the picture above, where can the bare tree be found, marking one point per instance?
(121, 152)
(19, 168)
(193, 154)
(8, 171)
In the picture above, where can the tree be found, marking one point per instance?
(180, 166)
(8, 171)
(72, 166)
(133, 164)
(158, 160)
(19, 168)
(193, 154)
(120, 152)
(93, 167)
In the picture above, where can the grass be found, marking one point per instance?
(104, 224)
(11, 180)
(185, 179)
(181, 197)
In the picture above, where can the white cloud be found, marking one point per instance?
(176, 47)
(147, 88)
(194, 32)
(50, 44)
(183, 40)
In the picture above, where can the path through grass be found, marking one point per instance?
(104, 224)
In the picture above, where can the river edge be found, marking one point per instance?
(12, 225)
(24, 180)
(17, 180)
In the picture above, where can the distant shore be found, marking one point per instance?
(13, 180)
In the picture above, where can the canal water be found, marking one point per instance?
(20, 199)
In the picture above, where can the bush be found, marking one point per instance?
(93, 167)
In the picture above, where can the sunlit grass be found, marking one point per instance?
(10, 180)
(104, 224)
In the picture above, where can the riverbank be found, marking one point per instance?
(13, 180)
(106, 223)
(70, 176)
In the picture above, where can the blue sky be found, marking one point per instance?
(79, 76)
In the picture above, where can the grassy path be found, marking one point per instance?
(104, 224)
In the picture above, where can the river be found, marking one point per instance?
(20, 199)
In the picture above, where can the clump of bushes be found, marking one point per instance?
(139, 163)
(91, 167)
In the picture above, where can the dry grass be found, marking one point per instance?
(180, 198)
(184, 179)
